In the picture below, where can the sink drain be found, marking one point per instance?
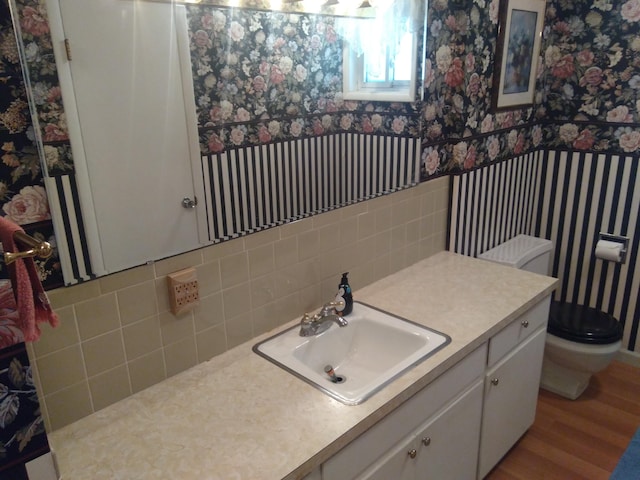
(332, 375)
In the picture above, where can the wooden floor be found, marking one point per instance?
(579, 439)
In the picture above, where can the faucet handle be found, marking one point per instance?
(308, 326)
(337, 304)
(331, 307)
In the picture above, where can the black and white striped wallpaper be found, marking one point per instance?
(71, 242)
(253, 188)
(582, 195)
(493, 204)
(568, 198)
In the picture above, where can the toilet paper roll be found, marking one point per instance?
(608, 250)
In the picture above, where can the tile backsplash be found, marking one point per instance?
(118, 336)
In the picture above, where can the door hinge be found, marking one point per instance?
(67, 48)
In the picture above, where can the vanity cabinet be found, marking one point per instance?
(461, 424)
(444, 448)
(511, 385)
(425, 436)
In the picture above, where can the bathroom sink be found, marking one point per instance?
(371, 351)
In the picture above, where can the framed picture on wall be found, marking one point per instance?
(517, 53)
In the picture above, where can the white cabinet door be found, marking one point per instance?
(399, 464)
(511, 394)
(126, 93)
(446, 448)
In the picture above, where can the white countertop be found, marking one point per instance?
(238, 416)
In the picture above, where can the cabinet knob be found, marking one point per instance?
(426, 441)
(495, 381)
(525, 323)
(412, 453)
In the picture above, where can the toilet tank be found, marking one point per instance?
(528, 253)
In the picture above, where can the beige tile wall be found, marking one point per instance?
(117, 335)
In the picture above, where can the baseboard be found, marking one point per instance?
(42, 468)
(629, 357)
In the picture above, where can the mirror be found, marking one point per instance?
(238, 109)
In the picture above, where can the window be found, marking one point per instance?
(383, 71)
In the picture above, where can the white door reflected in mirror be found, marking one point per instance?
(130, 129)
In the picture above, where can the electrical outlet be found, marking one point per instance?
(183, 290)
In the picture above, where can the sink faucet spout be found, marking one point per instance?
(341, 321)
(321, 321)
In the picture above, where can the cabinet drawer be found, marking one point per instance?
(392, 429)
(518, 330)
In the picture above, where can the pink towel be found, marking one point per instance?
(32, 301)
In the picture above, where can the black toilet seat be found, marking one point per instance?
(581, 324)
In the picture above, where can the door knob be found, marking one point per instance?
(188, 203)
(495, 381)
(412, 453)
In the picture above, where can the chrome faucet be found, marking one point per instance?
(322, 320)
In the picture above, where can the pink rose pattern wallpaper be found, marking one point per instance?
(590, 77)
(45, 88)
(261, 77)
(588, 80)
(459, 130)
(23, 198)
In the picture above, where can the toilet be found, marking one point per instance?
(580, 340)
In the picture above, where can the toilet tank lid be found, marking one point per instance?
(518, 251)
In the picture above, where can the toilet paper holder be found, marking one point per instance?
(624, 241)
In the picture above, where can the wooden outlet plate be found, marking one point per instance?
(183, 290)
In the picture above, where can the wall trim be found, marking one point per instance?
(629, 357)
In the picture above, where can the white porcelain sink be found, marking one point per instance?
(374, 349)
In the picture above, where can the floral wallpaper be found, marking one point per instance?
(265, 76)
(23, 198)
(459, 130)
(587, 92)
(22, 432)
(45, 88)
(22, 195)
(590, 82)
